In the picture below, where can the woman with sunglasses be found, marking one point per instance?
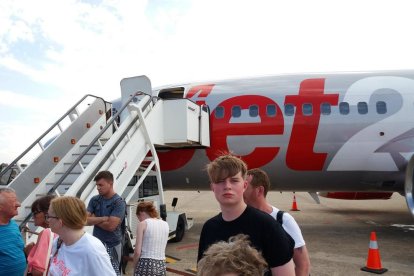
(38, 258)
(75, 252)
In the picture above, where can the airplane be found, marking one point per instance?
(343, 135)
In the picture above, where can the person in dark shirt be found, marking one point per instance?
(106, 212)
(228, 182)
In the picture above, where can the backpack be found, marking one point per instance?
(279, 217)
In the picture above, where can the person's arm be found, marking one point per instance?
(110, 224)
(141, 227)
(288, 269)
(301, 260)
(36, 272)
(300, 253)
(115, 217)
(93, 220)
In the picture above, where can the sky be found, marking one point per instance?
(52, 52)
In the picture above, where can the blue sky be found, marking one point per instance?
(54, 52)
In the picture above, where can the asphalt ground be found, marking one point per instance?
(336, 232)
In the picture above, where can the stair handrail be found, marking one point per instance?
(3, 172)
(76, 162)
(92, 143)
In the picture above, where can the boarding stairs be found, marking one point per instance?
(95, 141)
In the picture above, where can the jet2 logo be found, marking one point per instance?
(300, 155)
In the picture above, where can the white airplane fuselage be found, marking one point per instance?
(310, 132)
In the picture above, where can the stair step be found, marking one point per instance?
(62, 173)
(61, 184)
(84, 164)
(84, 146)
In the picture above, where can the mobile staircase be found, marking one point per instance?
(123, 143)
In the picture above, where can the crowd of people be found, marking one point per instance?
(230, 244)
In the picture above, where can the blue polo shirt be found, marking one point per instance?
(12, 259)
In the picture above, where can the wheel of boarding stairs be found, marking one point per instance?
(179, 232)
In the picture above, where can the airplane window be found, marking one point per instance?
(344, 108)
(289, 109)
(236, 111)
(271, 110)
(219, 113)
(253, 111)
(307, 109)
(325, 108)
(381, 107)
(362, 108)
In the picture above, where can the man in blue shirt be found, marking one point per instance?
(106, 212)
(12, 258)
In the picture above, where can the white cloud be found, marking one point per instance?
(29, 103)
(83, 48)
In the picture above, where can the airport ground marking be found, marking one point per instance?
(171, 259)
(178, 272)
(187, 246)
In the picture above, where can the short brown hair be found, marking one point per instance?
(225, 166)
(71, 210)
(147, 207)
(235, 256)
(107, 175)
(42, 204)
(259, 178)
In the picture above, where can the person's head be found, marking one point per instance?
(105, 183)
(227, 176)
(146, 209)
(40, 207)
(236, 257)
(8, 203)
(66, 212)
(258, 184)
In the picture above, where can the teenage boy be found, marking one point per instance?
(228, 182)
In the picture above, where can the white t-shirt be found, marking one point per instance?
(291, 227)
(155, 239)
(87, 256)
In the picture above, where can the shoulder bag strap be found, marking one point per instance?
(279, 217)
(48, 252)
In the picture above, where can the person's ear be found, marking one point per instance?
(212, 186)
(260, 190)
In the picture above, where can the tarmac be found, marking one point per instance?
(336, 232)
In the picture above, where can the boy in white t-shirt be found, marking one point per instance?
(255, 196)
